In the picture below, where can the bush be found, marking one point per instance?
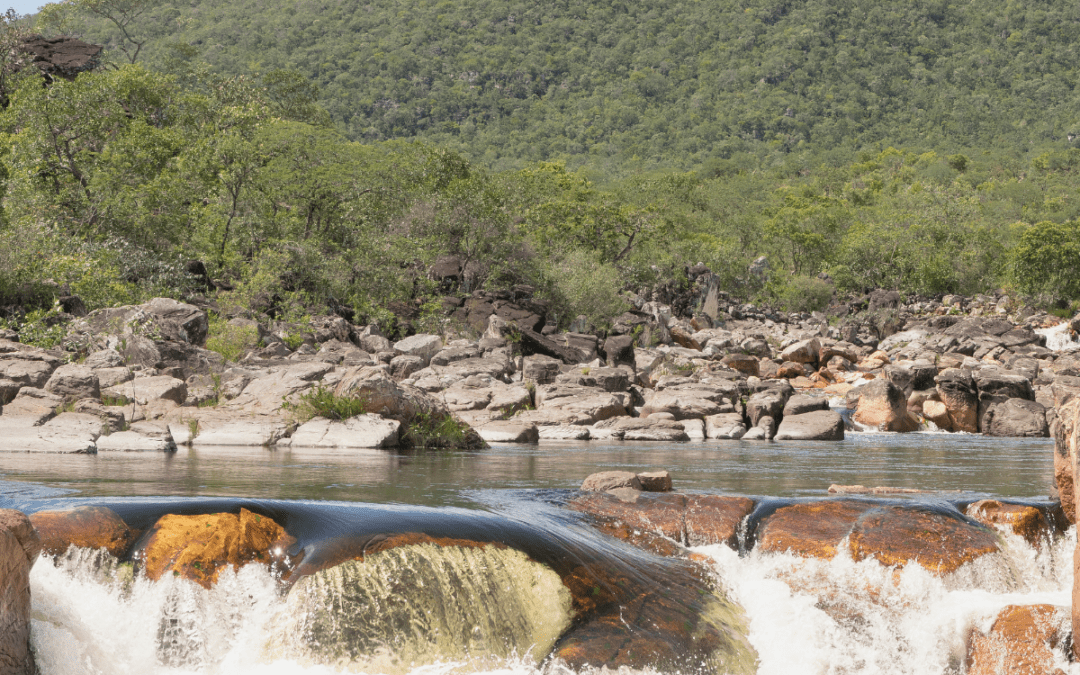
(323, 402)
(232, 342)
(804, 294)
(1046, 260)
(586, 286)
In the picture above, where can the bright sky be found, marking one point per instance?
(23, 6)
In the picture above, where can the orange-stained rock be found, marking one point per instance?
(200, 547)
(936, 412)
(1021, 642)
(1025, 521)
(940, 543)
(882, 405)
(714, 519)
(1063, 479)
(691, 520)
(813, 529)
(86, 527)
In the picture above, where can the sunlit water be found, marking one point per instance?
(806, 616)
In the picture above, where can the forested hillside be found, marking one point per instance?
(624, 86)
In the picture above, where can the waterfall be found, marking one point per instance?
(1059, 338)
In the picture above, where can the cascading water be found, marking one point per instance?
(1059, 338)
(806, 615)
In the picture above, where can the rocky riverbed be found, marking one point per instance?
(140, 378)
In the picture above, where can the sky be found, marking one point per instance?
(23, 6)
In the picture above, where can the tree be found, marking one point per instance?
(124, 15)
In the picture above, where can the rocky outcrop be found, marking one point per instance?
(1022, 640)
(91, 527)
(19, 547)
(883, 406)
(820, 425)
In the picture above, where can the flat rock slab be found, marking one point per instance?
(132, 441)
(362, 431)
(564, 432)
(508, 431)
(146, 389)
(819, 425)
(80, 425)
(812, 529)
(896, 536)
(32, 407)
(37, 439)
(240, 432)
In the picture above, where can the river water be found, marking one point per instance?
(806, 616)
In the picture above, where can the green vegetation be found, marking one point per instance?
(232, 342)
(323, 402)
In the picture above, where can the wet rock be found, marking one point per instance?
(813, 529)
(90, 527)
(362, 431)
(725, 426)
(198, 548)
(1023, 640)
(610, 480)
(957, 390)
(1026, 522)
(883, 406)
(19, 546)
(941, 543)
(820, 425)
(508, 431)
(1015, 417)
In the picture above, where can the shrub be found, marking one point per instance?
(323, 402)
(232, 342)
(586, 286)
(804, 294)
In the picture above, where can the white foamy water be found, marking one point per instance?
(812, 617)
(1058, 338)
(807, 616)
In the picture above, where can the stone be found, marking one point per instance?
(31, 407)
(610, 480)
(131, 441)
(104, 358)
(422, 346)
(804, 351)
(1015, 417)
(561, 432)
(896, 536)
(225, 429)
(144, 390)
(655, 481)
(404, 365)
(956, 388)
(1023, 640)
(1027, 522)
(695, 429)
(540, 369)
(811, 529)
(26, 370)
(804, 403)
(725, 426)
(199, 547)
(744, 363)
(756, 434)
(110, 377)
(362, 431)
(91, 527)
(767, 403)
(646, 429)
(618, 350)
(936, 412)
(820, 425)
(883, 406)
(19, 546)
(508, 431)
(682, 404)
(74, 424)
(590, 404)
(73, 381)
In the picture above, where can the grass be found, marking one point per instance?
(427, 431)
(108, 399)
(193, 429)
(323, 402)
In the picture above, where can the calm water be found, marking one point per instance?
(971, 465)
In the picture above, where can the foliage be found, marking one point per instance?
(231, 341)
(1046, 259)
(804, 294)
(323, 402)
(585, 286)
(429, 431)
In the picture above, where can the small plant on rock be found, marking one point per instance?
(323, 402)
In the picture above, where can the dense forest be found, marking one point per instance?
(629, 86)
(322, 157)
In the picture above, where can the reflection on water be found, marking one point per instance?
(974, 465)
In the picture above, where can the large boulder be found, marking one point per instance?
(997, 386)
(645, 429)
(725, 426)
(956, 388)
(812, 529)
(1023, 640)
(362, 431)
(1015, 417)
(804, 351)
(896, 536)
(19, 547)
(589, 404)
(200, 547)
(421, 346)
(819, 425)
(90, 527)
(143, 391)
(73, 382)
(883, 406)
(1027, 522)
(161, 319)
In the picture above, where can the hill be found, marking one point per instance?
(625, 86)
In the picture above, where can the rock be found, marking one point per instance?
(73, 381)
(508, 431)
(646, 429)
(91, 527)
(655, 481)
(744, 363)
(896, 536)
(812, 529)
(619, 350)
(804, 351)
(31, 407)
(19, 546)
(1015, 417)
(756, 434)
(768, 403)
(563, 433)
(110, 377)
(820, 425)
(362, 431)
(131, 441)
(227, 429)
(714, 519)
(1023, 640)
(997, 386)
(789, 370)
(1026, 522)
(530, 341)
(685, 403)
(540, 369)
(610, 480)
(956, 388)
(198, 548)
(74, 424)
(695, 429)
(803, 403)
(768, 426)
(144, 390)
(936, 412)
(104, 358)
(589, 404)
(883, 406)
(422, 346)
(404, 365)
(583, 346)
(725, 425)
(372, 341)
(27, 369)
